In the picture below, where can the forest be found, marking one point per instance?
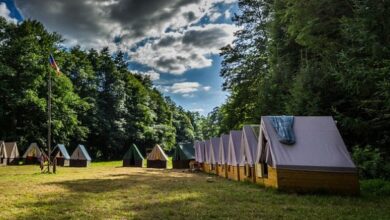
(314, 57)
(95, 101)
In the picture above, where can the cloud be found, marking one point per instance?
(178, 52)
(206, 88)
(153, 75)
(6, 13)
(185, 87)
(176, 40)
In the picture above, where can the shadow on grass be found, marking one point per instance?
(167, 194)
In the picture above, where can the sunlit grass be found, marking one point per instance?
(108, 191)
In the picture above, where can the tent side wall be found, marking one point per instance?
(222, 170)
(132, 163)
(79, 163)
(311, 181)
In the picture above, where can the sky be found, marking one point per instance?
(175, 42)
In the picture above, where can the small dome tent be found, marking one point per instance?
(157, 158)
(80, 157)
(183, 155)
(133, 157)
(61, 154)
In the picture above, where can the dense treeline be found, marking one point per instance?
(96, 100)
(312, 57)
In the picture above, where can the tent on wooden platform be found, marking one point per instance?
(183, 155)
(223, 155)
(250, 136)
(33, 154)
(157, 158)
(206, 164)
(80, 157)
(11, 153)
(214, 154)
(61, 155)
(235, 158)
(318, 161)
(199, 153)
(3, 153)
(133, 157)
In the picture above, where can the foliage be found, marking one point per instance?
(314, 57)
(370, 162)
(96, 100)
(377, 187)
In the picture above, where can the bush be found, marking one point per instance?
(377, 187)
(369, 162)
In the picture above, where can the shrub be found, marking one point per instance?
(377, 187)
(369, 161)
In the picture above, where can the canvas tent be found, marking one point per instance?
(214, 154)
(248, 148)
(183, 155)
(133, 157)
(11, 153)
(80, 157)
(223, 153)
(319, 159)
(206, 164)
(235, 158)
(33, 154)
(61, 155)
(3, 154)
(199, 153)
(157, 158)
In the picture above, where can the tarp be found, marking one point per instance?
(283, 126)
(214, 150)
(223, 149)
(319, 146)
(250, 134)
(234, 154)
(80, 153)
(133, 152)
(207, 145)
(62, 149)
(199, 151)
(184, 151)
(157, 153)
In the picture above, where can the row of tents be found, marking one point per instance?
(157, 158)
(9, 155)
(317, 161)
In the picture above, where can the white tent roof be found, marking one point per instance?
(214, 150)
(249, 144)
(33, 150)
(319, 146)
(207, 145)
(223, 149)
(234, 155)
(199, 151)
(80, 153)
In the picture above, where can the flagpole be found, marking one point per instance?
(49, 121)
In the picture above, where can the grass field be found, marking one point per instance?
(108, 191)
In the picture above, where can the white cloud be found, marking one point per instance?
(6, 13)
(185, 87)
(122, 24)
(206, 88)
(176, 53)
(153, 75)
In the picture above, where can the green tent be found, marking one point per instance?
(183, 155)
(133, 157)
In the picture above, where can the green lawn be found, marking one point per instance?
(108, 191)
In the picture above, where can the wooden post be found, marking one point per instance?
(49, 121)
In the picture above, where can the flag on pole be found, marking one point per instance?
(54, 64)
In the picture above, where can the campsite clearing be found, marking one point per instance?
(108, 190)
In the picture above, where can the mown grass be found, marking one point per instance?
(108, 191)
